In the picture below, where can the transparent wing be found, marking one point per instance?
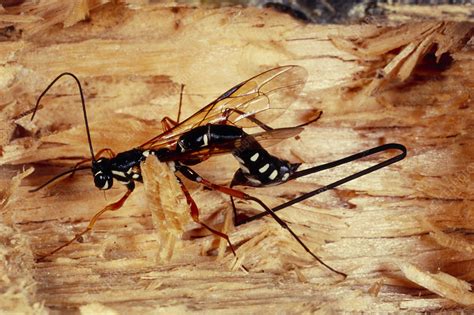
(263, 97)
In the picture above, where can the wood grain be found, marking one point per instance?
(131, 60)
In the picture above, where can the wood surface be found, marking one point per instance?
(402, 234)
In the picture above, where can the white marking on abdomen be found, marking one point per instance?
(285, 176)
(264, 168)
(205, 140)
(273, 175)
(146, 153)
(254, 157)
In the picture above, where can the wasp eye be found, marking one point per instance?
(102, 181)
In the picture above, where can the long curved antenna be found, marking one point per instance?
(73, 170)
(315, 169)
(83, 105)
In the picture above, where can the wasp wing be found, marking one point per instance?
(274, 89)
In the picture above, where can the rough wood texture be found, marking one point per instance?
(386, 230)
(406, 13)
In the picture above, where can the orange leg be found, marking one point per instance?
(192, 175)
(168, 123)
(195, 216)
(79, 164)
(108, 151)
(112, 207)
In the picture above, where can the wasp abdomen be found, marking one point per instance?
(207, 135)
(260, 168)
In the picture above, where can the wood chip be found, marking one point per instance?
(166, 201)
(440, 283)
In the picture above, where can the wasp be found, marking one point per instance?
(218, 128)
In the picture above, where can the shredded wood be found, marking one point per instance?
(166, 201)
(452, 241)
(8, 191)
(149, 256)
(399, 50)
(374, 290)
(97, 308)
(17, 287)
(440, 283)
(35, 18)
(407, 13)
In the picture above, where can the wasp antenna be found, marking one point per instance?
(82, 101)
(59, 176)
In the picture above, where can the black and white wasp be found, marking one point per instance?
(215, 129)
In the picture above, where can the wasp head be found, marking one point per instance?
(102, 173)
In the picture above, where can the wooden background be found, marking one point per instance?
(132, 60)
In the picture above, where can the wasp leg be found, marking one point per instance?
(192, 175)
(235, 181)
(77, 166)
(112, 207)
(107, 151)
(168, 123)
(195, 216)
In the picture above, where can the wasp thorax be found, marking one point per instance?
(102, 173)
